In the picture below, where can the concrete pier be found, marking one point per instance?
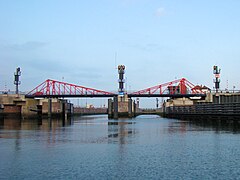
(110, 108)
(130, 108)
(49, 108)
(63, 110)
(223, 107)
(115, 107)
(121, 107)
(13, 104)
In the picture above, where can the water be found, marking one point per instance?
(91, 147)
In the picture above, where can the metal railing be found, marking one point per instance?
(231, 91)
(13, 92)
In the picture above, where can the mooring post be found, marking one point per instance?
(49, 107)
(63, 112)
(110, 108)
(134, 108)
(115, 107)
(130, 108)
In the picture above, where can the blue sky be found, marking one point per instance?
(157, 41)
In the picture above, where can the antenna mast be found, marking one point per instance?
(17, 81)
(216, 72)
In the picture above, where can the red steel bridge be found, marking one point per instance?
(56, 89)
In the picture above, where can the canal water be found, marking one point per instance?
(92, 147)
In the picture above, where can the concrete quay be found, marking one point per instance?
(18, 105)
(89, 111)
(217, 107)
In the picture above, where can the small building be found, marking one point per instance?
(201, 88)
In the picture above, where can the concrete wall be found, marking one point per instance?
(123, 104)
(41, 101)
(178, 102)
(56, 107)
(13, 103)
(11, 109)
(187, 101)
(11, 98)
(226, 98)
(208, 99)
(79, 110)
(30, 108)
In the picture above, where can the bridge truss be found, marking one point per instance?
(56, 89)
(53, 88)
(177, 87)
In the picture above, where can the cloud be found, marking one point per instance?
(160, 12)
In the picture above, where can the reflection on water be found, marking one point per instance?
(13, 123)
(218, 127)
(18, 128)
(98, 129)
(93, 147)
(120, 130)
(116, 128)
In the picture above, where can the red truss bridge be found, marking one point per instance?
(177, 88)
(56, 89)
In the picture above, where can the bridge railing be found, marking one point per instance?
(13, 92)
(230, 91)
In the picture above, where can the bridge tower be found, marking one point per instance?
(216, 72)
(121, 80)
(121, 105)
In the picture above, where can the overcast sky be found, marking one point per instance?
(157, 40)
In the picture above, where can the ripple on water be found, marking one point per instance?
(92, 147)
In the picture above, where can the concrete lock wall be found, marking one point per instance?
(179, 102)
(11, 98)
(12, 104)
(222, 98)
(56, 107)
(81, 110)
(11, 109)
(30, 107)
(121, 106)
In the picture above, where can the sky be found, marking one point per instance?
(82, 42)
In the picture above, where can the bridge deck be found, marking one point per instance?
(112, 95)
